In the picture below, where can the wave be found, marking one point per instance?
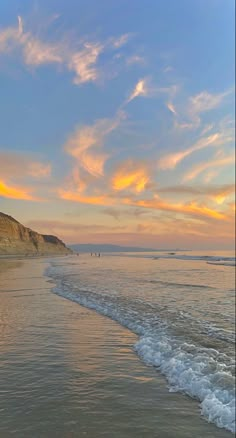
(203, 373)
(188, 285)
(195, 257)
(223, 263)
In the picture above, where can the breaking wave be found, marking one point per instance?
(203, 373)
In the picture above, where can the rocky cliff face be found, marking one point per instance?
(19, 240)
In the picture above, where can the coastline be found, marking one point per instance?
(67, 371)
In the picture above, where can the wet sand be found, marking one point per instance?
(66, 371)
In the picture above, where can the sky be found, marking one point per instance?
(117, 120)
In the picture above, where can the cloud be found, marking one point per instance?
(199, 168)
(9, 37)
(121, 40)
(135, 59)
(141, 89)
(216, 139)
(146, 89)
(13, 192)
(39, 170)
(132, 175)
(117, 213)
(85, 145)
(74, 196)
(80, 57)
(217, 193)
(83, 63)
(171, 108)
(197, 105)
(191, 208)
(18, 166)
(18, 171)
(206, 101)
(38, 53)
(74, 232)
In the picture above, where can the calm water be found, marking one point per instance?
(182, 308)
(66, 371)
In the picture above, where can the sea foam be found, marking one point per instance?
(202, 373)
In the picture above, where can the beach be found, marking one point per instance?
(67, 371)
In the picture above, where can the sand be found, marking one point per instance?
(66, 371)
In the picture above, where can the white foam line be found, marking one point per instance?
(199, 372)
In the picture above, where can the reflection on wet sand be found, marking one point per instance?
(67, 372)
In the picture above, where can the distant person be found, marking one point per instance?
(99, 254)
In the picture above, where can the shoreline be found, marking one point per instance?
(68, 371)
(32, 256)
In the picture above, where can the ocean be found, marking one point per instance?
(123, 346)
(181, 306)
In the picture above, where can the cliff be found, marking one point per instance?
(15, 239)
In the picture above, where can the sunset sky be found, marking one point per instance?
(117, 120)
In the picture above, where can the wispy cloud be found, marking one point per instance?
(118, 212)
(206, 101)
(191, 208)
(17, 166)
(146, 88)
(141, 89)
(85, 145)
(83, 63)
(135, 59)
(217, 193)
(190, 116)
(222, 137)
(121, 40)
(200, 168)
(79, 57)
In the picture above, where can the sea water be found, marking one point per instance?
(181, 306)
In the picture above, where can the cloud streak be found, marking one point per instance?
(216, 163)
(13, 192)
(81, 57)
(86, 144)
(222, 137)
(188, 116)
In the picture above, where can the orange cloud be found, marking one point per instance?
(86, 143)
(130, 175)
(84, 199)
(214, 192)
(190, 208)
(7, 191)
